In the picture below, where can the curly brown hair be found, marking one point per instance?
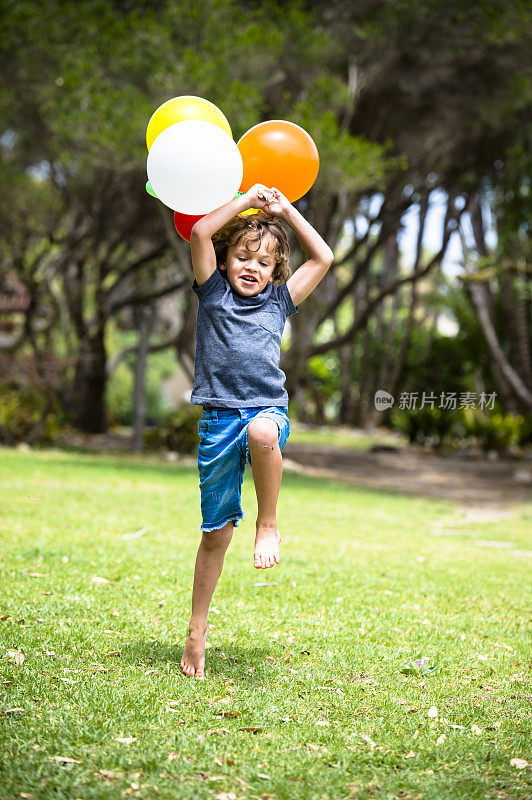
(252, 228)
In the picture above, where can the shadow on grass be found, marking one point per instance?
(245, 664)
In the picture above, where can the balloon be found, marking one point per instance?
(281, 154)
(184, 222)
(194, 167)
(149, 189)
(180, 109)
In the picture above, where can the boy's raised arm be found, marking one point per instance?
(201, 247)
(319, 254)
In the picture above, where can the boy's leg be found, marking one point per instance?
(267, 468)
(209, 563)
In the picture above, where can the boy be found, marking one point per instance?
(241, 317)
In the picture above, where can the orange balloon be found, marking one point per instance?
(281, 154)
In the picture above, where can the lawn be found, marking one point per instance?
(344, 436)
(308, 691)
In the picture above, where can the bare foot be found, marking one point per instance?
(266, 548)
(193, 658)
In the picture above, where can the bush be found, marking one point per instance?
(27, 415)
(490, 430)
(425, 425)
(177, 431)
(494, 430)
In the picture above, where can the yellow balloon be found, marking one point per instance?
(251, 211)
(182, 108)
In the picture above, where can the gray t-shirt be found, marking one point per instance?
(238, 345)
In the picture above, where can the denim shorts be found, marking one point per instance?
(222, 455)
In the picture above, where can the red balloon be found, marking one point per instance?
(184, 222)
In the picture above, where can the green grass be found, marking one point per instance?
(345, 437)
(299, 669)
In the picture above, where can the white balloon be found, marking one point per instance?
(194, 167)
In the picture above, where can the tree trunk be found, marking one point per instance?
(478, 294)
(516, 313)
(89, 384)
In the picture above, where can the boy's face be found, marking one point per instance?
(258, 264)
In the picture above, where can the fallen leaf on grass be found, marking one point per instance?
(251, 729)
(126, 739)
(97, 579)
(15, 657)
(14, 710)
(225, 796)
(216, 731)
(36, 575)
(432, 712)
(520, 763)
(476, 730)
(105, 773)
(229, 714)
(371, 743)
(266, 583)
(65, 760)
(440, 739)
(135, 535)
(316, 748)
(411, 754)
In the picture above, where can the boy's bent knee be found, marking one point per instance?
(263, 433)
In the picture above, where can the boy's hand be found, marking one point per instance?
(279, 205)
(271, 201)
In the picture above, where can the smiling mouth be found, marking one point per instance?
(249, 281)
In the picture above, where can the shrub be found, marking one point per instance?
(493, 430)
(27, 415)
(425, 425)
(178, 430)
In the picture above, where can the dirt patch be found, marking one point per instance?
(485, 486)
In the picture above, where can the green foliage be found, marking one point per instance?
(177, 430)
(493, 430)
(425, 425)
(119, 396)
(26, 415)
(120, 385)
(490, 430)
(326, 372)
